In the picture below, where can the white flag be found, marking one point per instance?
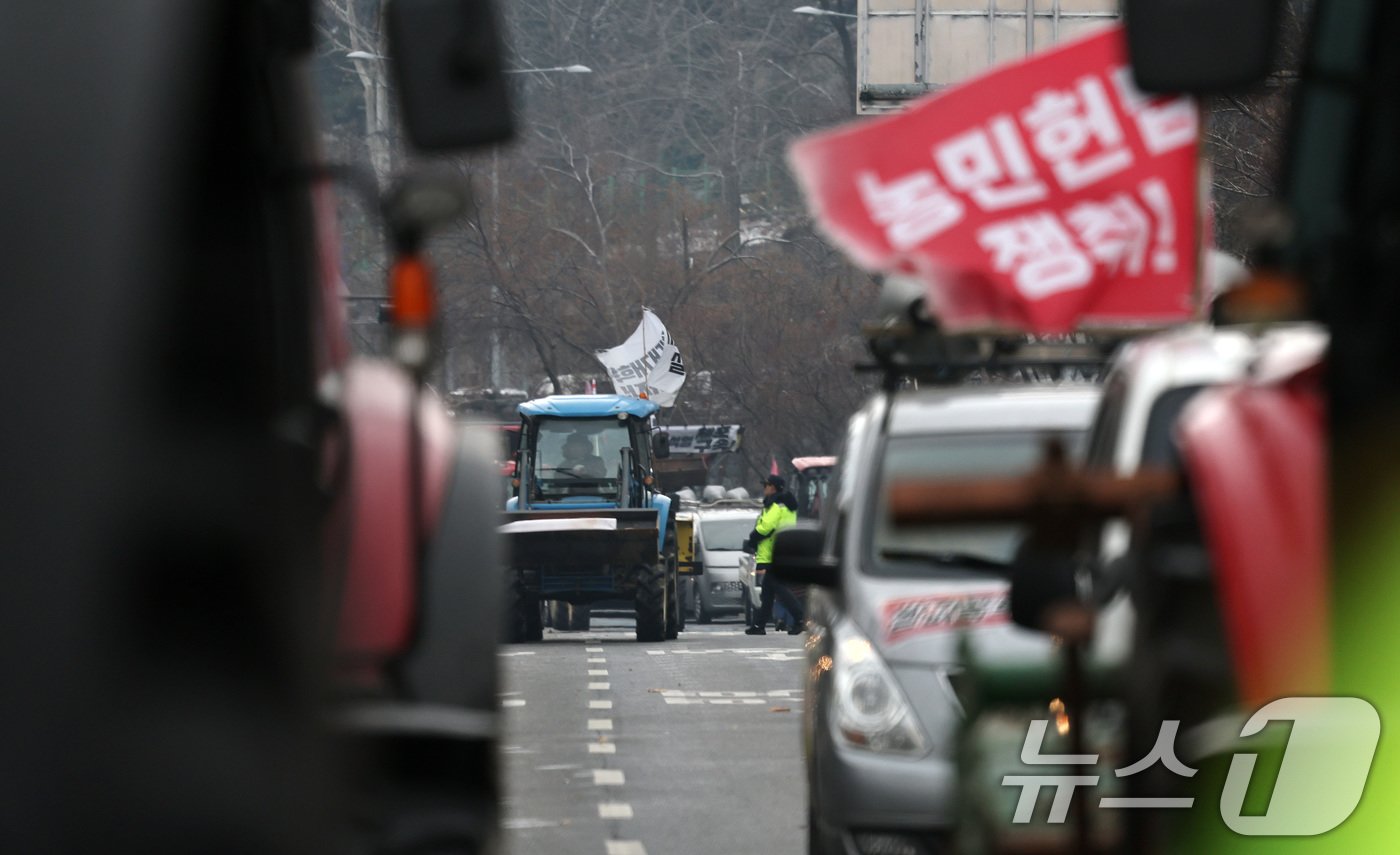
(648, 362)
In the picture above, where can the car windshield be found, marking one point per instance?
(580, 452)
(956, 548)
(726, 535)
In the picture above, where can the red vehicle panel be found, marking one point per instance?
(1255, 458)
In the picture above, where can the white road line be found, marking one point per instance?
(626, 847)
(515, 653)
(597, 672)
(600, 687)
(513, 702)
(600, 705)
(592, 650)
(614, 810)
(609, 777)
(600, 724)
(656, 653)
(598, 659)
(602, 748)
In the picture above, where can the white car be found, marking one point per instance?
(719, 539)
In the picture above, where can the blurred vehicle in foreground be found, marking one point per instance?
(187, 525)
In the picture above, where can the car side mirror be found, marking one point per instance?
(660, 445)
(446, 57)
(1043, 588)
(1200, 46)
(799, 557)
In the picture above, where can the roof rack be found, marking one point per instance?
(909, 345)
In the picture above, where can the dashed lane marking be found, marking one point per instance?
(597, 672)
(598, 659)
(592, 650)
(515, 653)
(602, 748)
(609, 777)
(513, 702)
(768, 654)
(626, 847)
(677, 696)
(600, 724)
(600, 687)
(614, 810)
(600, 705)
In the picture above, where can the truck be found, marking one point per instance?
(587, 522)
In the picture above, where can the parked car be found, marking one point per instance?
(881, 717)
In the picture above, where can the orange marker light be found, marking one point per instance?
(411, 287)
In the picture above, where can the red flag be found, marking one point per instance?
(1044, 195)
(773, 465)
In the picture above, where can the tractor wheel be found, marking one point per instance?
(580, 617)
(556, 615)
(523, 623)
(650, 603)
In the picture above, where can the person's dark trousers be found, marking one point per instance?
(773, 588)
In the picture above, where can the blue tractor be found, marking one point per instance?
(587, 524)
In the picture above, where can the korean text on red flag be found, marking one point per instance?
(1045, 195)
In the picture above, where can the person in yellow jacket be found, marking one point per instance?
(779, 512)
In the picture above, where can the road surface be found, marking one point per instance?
(687, 747)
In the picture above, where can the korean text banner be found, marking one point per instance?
(648, 362)
(704, 439)
(1046, 195)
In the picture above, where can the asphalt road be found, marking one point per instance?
(687, 747)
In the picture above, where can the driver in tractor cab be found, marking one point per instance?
(580, 460)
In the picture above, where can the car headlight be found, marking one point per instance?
(871, 711)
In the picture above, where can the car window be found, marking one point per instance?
(725, 535)
(1158, 443)
(957, 549)
(1103, 434)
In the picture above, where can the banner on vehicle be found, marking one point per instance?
(647, 364)
(1045, 195)
(704, 439)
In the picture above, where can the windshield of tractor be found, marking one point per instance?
(580, 452)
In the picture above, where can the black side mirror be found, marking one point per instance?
(446, 56)
(799, 557)
(1200, 46)
(1042, 579)
(660, 445)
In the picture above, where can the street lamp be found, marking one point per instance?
(813, 10)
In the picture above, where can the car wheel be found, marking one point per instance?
(698, 610)
(818, 841)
